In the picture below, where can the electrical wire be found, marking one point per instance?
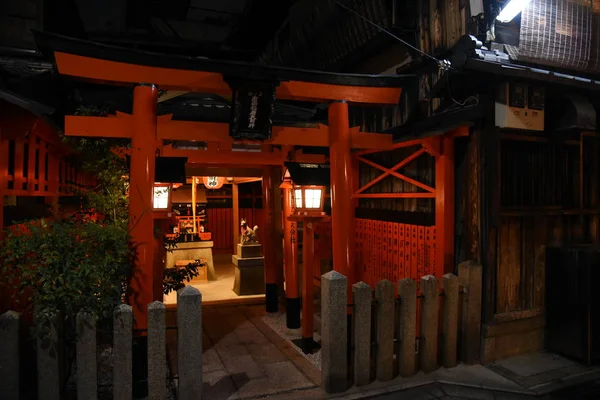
(443, 64)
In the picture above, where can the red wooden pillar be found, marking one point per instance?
(3, 178)
(141, 181)
(342, 207)
(308, 308)
(272, 303)
(444, 207)
(290, 250)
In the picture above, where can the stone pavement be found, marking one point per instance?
(243, 357)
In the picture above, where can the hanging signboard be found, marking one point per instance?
(213, 182)
(252, 110)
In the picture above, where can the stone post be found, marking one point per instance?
(122, 352)
(362, 299)
(450, 320)
(407, 290)
(10, 323)
(428, 349)
(48, 367)
(189, 339)
(87, 384)
(384, 293)
(334, 333)
(157, 351)
(469, 275)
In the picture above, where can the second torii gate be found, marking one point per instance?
(146, 72)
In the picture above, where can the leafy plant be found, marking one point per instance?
(174, 277)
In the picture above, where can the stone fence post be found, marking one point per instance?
(384, 293)
(362, 299)
(122, 352)
(470, 277)
(189, 338)
(407, 291)
(87, 379)
(334, 333)
(450, 320)
(428, 349)
(10, 323)
(48, 367)
(157, 351)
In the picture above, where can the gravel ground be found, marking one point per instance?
(276, 322)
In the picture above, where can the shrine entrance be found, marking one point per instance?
(249, 141)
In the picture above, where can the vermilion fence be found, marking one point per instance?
(393, 251)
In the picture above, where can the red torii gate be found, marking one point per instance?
(147, 71)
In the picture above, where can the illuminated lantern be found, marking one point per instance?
(307, 199)
(213, 182)
(162, 196)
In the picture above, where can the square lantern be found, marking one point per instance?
(308, 200)
(162, 197)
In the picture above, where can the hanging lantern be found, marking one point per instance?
(162, 196)
(213, 182)
(308, 200)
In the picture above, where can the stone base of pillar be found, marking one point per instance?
(292, 314)
(307, 344)
(249, 275)
(271, 298)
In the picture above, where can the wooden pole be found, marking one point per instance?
(194, 203)
(342, 210)
(272, 305)
(236, 216)
(141, 178)
(290, 247)
(308, 307)
(444, 207)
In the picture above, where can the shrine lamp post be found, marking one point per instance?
(308, 201)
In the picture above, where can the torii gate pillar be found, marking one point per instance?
(342, 206)
(141, 192)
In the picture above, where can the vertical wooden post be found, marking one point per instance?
(141, 180)
(3, 178)
(444, 207)
(272, 304)
(277, 224)
(342, 212)
(236, 216)
(308, 307)
(290, 246)
(195, 228)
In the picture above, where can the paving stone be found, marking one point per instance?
(211, 361)
(265, 353)
(242, 365)
(533, 364)
(219, 386)
(286, 376)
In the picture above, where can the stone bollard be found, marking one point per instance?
(428, 349)
(48, 367)
(122, 352)
(407, 290)
(334, 333)
(87, 379)
(157, 351)
(384, 293)
(189, 339)
(450, 320)
(10, 323)
(470, 276)
(362, 299)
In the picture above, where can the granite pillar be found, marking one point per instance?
(122, 352)
(469, 275)
(407, 290)
(48, 366)
(10, 323)
(362, 299)
(87, 378)
(450, 320)
(189, 337)
(428, 349)
(157, 351)
(384, 294)
(334, 333)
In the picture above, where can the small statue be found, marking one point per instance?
(248, 236)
